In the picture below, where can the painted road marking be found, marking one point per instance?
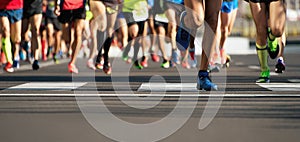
(258, 68)
(294, 80)
(281, 86)
(171, 87)
(48, 86)
(152, 95)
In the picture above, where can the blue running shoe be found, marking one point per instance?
(204, 82)
(182, 35)
(16, 64)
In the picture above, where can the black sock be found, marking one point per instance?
(100, 41)
(106, 47)
(136, 50)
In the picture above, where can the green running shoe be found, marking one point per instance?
(138, 65)
(165, 64)
(264, 77)
(273, 47)
(125, 58)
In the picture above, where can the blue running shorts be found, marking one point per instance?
(12, 15)
(228, 6)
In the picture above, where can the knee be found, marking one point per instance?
(196, 19)
(277, 31)
(134, 31)
(224, 31)
(6, 32)
(17, 39)
(162, 33)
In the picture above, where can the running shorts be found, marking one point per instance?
(261, 1)
(130, 21)
(32, 7)
(67, 16)
(158, 24)
(54, 21)
(228, 6)
(112, 6)
(12, 15)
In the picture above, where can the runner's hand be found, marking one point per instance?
(57, 10)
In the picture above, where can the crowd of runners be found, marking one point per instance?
(35, 30)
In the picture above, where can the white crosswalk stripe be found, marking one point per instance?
(47, 86)
(281, 86)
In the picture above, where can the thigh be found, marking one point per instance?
(66, 32)
(25, 26)
(16, 31)
(36, 21)
(277, 14)
(111, 20)
(212, 9)
(50, 29)
(79, 25)
(170, 13)
(232, 19)
(195, 11)
(4, 24)
(258, 11)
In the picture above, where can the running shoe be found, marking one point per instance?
(154, 57)
(90, 64)
(194, 63)
(182, 35)
(144, 61)
(227, 62)
(55, 59)
(273, 47)
(107, 68)
(213, 68)
(280, 66)
(16, 64)
(127, 59)
(100, 65)
(185, 64)
(8, 68)
(264, 77)
(72, 68)
(204, 82)
(35, 65)
(138, 65)
(175, 57)
(165, 64)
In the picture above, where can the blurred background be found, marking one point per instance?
(244, 24)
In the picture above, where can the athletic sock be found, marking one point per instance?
(136, 50)
(100, 41)
(106, 47)
(6, 46)
(262, 54)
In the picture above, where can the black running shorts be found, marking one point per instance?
(67, 16)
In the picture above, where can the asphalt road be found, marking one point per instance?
(248, 111)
